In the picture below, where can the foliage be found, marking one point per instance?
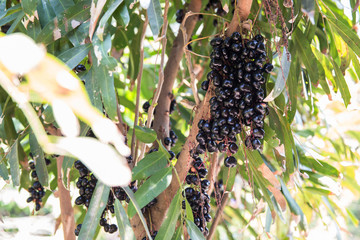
(306, 162)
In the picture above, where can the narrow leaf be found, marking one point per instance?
(106, 17)
(138, 209)
(75, 55)
(306, 55)
(155, 17)
(177, 235)
(282, 76)
(145, 135)
(152, 187)
(149, 165)
(39, 159)
(189, 212)
(167, 228)
(194, 231)
(125, 230)
(29, 6)
(347, 34)
(341, 83)
(97, 205)
(68, 162)
(13, 157)
(4, 174)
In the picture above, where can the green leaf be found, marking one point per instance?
(45, 12)
(177, 235)
(306, 55)
(320, 166)
(152, 187)
(68, 162)
(40, 164)
(4, 174)
(75, 55)
(97, 205)
(149, 165)
(67, 21)
(78, 35)
(106, 17)
(145, 135)
(347, 34)
(229, 177)
(13, 157)
(61, 5)
(189, 212)
(125, 230)
(33, 28)
(341, 83)
(282, 76)
(138, 209)
(92, 88)
(194, 231)
(155, 17)
(29, 6)
(167, 228)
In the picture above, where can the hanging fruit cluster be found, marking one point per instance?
(37, 191)
(197, 195)
(238, 67)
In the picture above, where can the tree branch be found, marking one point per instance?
(241, 13)
(218, 215)
(161, 119)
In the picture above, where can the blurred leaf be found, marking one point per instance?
(4, 173)
(45, 12)
(39, 159)
(106, 17)
(29, 6)
(341, 83)
(68, 162)
(67, 21)
(194, 231)
(149, 165)
(155, 17)
(347, 34)
(60, 6)
(306, 55)
(167, 228)
(145, 3)
(282, 76)
(177, 235)
(229, 178)
(13, 157)
(320, 166)
(319, 191)
(138, 209)
(145, 135)
(97, 205)
(125, 230)
(151, 188)
(189, 212)
(73, 56)
(308, 7)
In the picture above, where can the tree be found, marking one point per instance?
(129, 59)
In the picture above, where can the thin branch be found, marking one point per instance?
(218, 215)
(161, 76)
(213, 170)
(138, 90)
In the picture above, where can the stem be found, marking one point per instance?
(138, 89)
(218, 215)
(213, 171)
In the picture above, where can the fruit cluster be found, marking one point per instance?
(180, 14)
(216, 5)
(197, 195)
(37, 191)
(238, 68)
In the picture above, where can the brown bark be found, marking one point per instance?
(67, 212)
(241, 13)
(161, 119)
